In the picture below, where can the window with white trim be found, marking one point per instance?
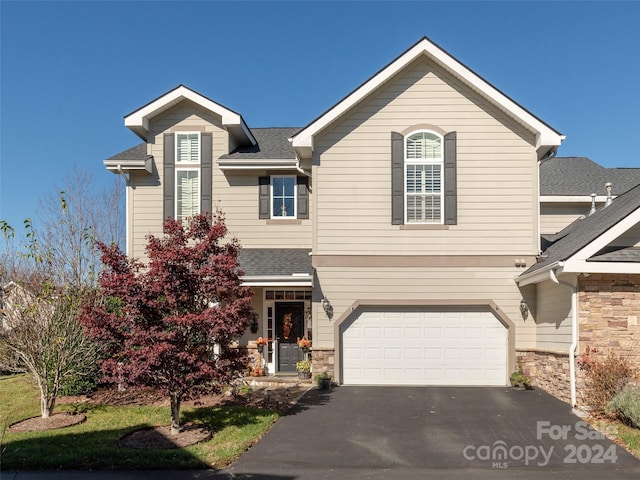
(283, 196)
(423, 161)
(187, 175)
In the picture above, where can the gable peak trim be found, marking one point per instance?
(547, 138)
(138, 120)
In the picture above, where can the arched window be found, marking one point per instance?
(423, 174)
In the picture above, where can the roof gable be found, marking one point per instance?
(138, 120)
(546, 137)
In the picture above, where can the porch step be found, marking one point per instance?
(277, 381)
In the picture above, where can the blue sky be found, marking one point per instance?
(70, 71)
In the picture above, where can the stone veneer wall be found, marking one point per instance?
(323, 361)
(550, 371)
(609, 312)
(609, 309)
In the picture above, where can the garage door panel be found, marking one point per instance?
(424, 348)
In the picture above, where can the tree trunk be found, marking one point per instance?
(175, 413)
(46, 403)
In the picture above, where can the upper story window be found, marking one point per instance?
(283, 197)
(423, 168)
(188, 147)
(187, 188)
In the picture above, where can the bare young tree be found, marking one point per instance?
(41, 335)
(72, 219)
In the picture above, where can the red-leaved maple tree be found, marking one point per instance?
(171, 323)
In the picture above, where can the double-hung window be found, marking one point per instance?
(283, 196)
(187, 190)
(423, 169)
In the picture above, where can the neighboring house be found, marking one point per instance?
(568, 183)
(586, 293)
(390, 230)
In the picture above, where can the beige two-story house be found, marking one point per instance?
(391, 230)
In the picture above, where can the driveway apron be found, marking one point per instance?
(434, 432)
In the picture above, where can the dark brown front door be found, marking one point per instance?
(289, 327)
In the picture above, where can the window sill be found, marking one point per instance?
(284, 221)
(424, 226)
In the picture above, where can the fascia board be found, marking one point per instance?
(607, 237)
(545, 135)
(537, 276)
(250, 164)
(583, 266)
(278, 281)
(571, 198)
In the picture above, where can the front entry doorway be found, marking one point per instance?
(289, 327)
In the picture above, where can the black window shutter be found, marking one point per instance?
(303, 197)
(450, 181)
(397, 179)
(264, 210)
(206, 170)
(169, 179)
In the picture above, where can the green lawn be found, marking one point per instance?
(94, 443)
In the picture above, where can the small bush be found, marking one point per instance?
(605, 377)
(626, 405)
(81, 384)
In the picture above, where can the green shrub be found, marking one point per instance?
(626, 405)
(81, 384)
(605, 377)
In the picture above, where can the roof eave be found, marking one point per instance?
(258, 164)
(537, 276)
(295, 280)
(118, 166)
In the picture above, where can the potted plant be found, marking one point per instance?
(304, 345)
(261, 342)
(323, 381)
(520, 379)
(304, 369)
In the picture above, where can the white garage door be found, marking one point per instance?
(424, 348)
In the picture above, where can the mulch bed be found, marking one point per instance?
(57, 420)
(161, 438)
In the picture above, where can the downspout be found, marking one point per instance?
(574, 332)
(126, 209)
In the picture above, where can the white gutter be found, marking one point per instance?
(300, 169)
(574, 332)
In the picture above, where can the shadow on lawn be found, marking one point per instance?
(69, 449)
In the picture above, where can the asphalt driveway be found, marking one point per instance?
(433, 432)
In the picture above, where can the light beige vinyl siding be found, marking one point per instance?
(555, 216)
(236, 195)
(344, 285)
(496, 173)
(553, 317)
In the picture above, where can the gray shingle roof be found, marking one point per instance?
(624, 254)
(582, 176)
(275, 261)
(273, 143)
(581, 233)
(139, 152)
